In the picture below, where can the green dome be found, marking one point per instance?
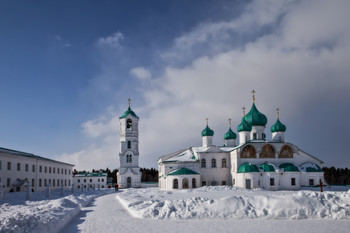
(248, 167)
(127, 112)
(244, 126)
(267, 167)
(289, 167)
(230, 135)
(207, 132)
(278, 127)
(254, 117)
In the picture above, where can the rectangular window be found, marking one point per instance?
(8, 182)
(9, 166)
(311, 182)
(45, 182)
(254, 136)
(61, 170)
(84, 180)
(40, 169)
(54, 170)
(65, 182)
(39, 182)
(49, 169)
(223, 182)
(58, 182)
(90, 180)
(33, 168)
(272, 182)
(204, 183)
(0, 164)
(18, 166)
(78, 180)
(27, 167)
(65, 171)
(53, 182)
(129, 144)
(45, 169)
(68, 182)
(103, 180)
(58, 171)
(98, 180)
(293, 181)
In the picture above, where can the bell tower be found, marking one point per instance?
(129, 174)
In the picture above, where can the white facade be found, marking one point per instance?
(129, 174)
(19, 168)
(90, 180)
(255, 163)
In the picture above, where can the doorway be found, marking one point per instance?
(128, 182)
(248, 184)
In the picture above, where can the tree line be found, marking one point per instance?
(337, 176)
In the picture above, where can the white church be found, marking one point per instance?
(129, 175)
(254, 162)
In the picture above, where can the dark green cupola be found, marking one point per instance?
(129, 112)
(278, 126)
(230, 134)
(254, 117)
(207, 131)
(244, 126)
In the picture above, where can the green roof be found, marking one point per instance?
(128, 112)
(248, 167)
(244, 126)
(87, 174)
(254, 117)
(314, 168)
(230, 135)
(207, 132)
(278, 127)
(289, 167)
(183, 171)
(267, 167)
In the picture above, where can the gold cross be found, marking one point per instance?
(229, 122)
(278, 112)
(253, 92)
(207, 120)
(129, 102)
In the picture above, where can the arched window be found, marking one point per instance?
(193, 182)
(203, 163)
(175, 184)
(267, 152)
(128, 158)
(286, 152)
(248, 152)
(223, 163)
(185, 183)
(213, 163)
(129, 124)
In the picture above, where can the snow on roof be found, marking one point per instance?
(183, 156)
(310, 167)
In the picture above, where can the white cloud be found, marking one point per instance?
(140, 73)
(61, 42)
(112, 41)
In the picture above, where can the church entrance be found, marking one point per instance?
(128, 182)
(248, 184)
(185, 183)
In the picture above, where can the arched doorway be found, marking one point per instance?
(185, 183)
(175, 184)
(128, 182)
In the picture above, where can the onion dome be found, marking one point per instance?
(207, 131)
(230, 134)
(244, 126)
(266, 167)
(128, 112)
(278, 126)
(248, 167)
(254, 117)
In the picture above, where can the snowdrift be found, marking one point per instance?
(237, 203)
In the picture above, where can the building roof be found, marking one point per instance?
(248, 167)
(183, 171)
(207, 132)
(289, 167)
(266, 167)
(88, 174)
(128, 112)
(310, 167)
(29, 155)
(278, 127)
(230, 135)
(254, 117)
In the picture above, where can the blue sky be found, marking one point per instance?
(67, 69)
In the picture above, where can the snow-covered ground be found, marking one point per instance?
(232, 202)
(207, 209)
(42, 214)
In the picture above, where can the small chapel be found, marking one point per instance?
(129, 175)
(252, 162)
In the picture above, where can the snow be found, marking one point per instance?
(207, 209)
(41, 214)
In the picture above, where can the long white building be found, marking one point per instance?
(90, 180)
(19, 168)
(254, 163)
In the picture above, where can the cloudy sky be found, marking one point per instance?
(67, 69)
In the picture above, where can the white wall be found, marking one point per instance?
(90, 181)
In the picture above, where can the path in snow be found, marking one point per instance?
(106, 214)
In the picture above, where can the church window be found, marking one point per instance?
(311, 182)
(223, 182)
(272, 182)
(213, 163)
(41, 169)
(49, 169)
(129, 144)
(193, 182)
(203, 163)
(292, 181)
(45, 169)
(254, 136)
(204, 183)
(45, 182)
(286, 152)
(58, 171)
(128, 158)
(18, 166)
(223, 162)
(185, 183)
(54, 170)
(175, 184)
(248, 152)
(39, 182)
(267, 152)
(129, 124)
(8, 165)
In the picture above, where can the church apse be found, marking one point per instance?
(248, 152)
